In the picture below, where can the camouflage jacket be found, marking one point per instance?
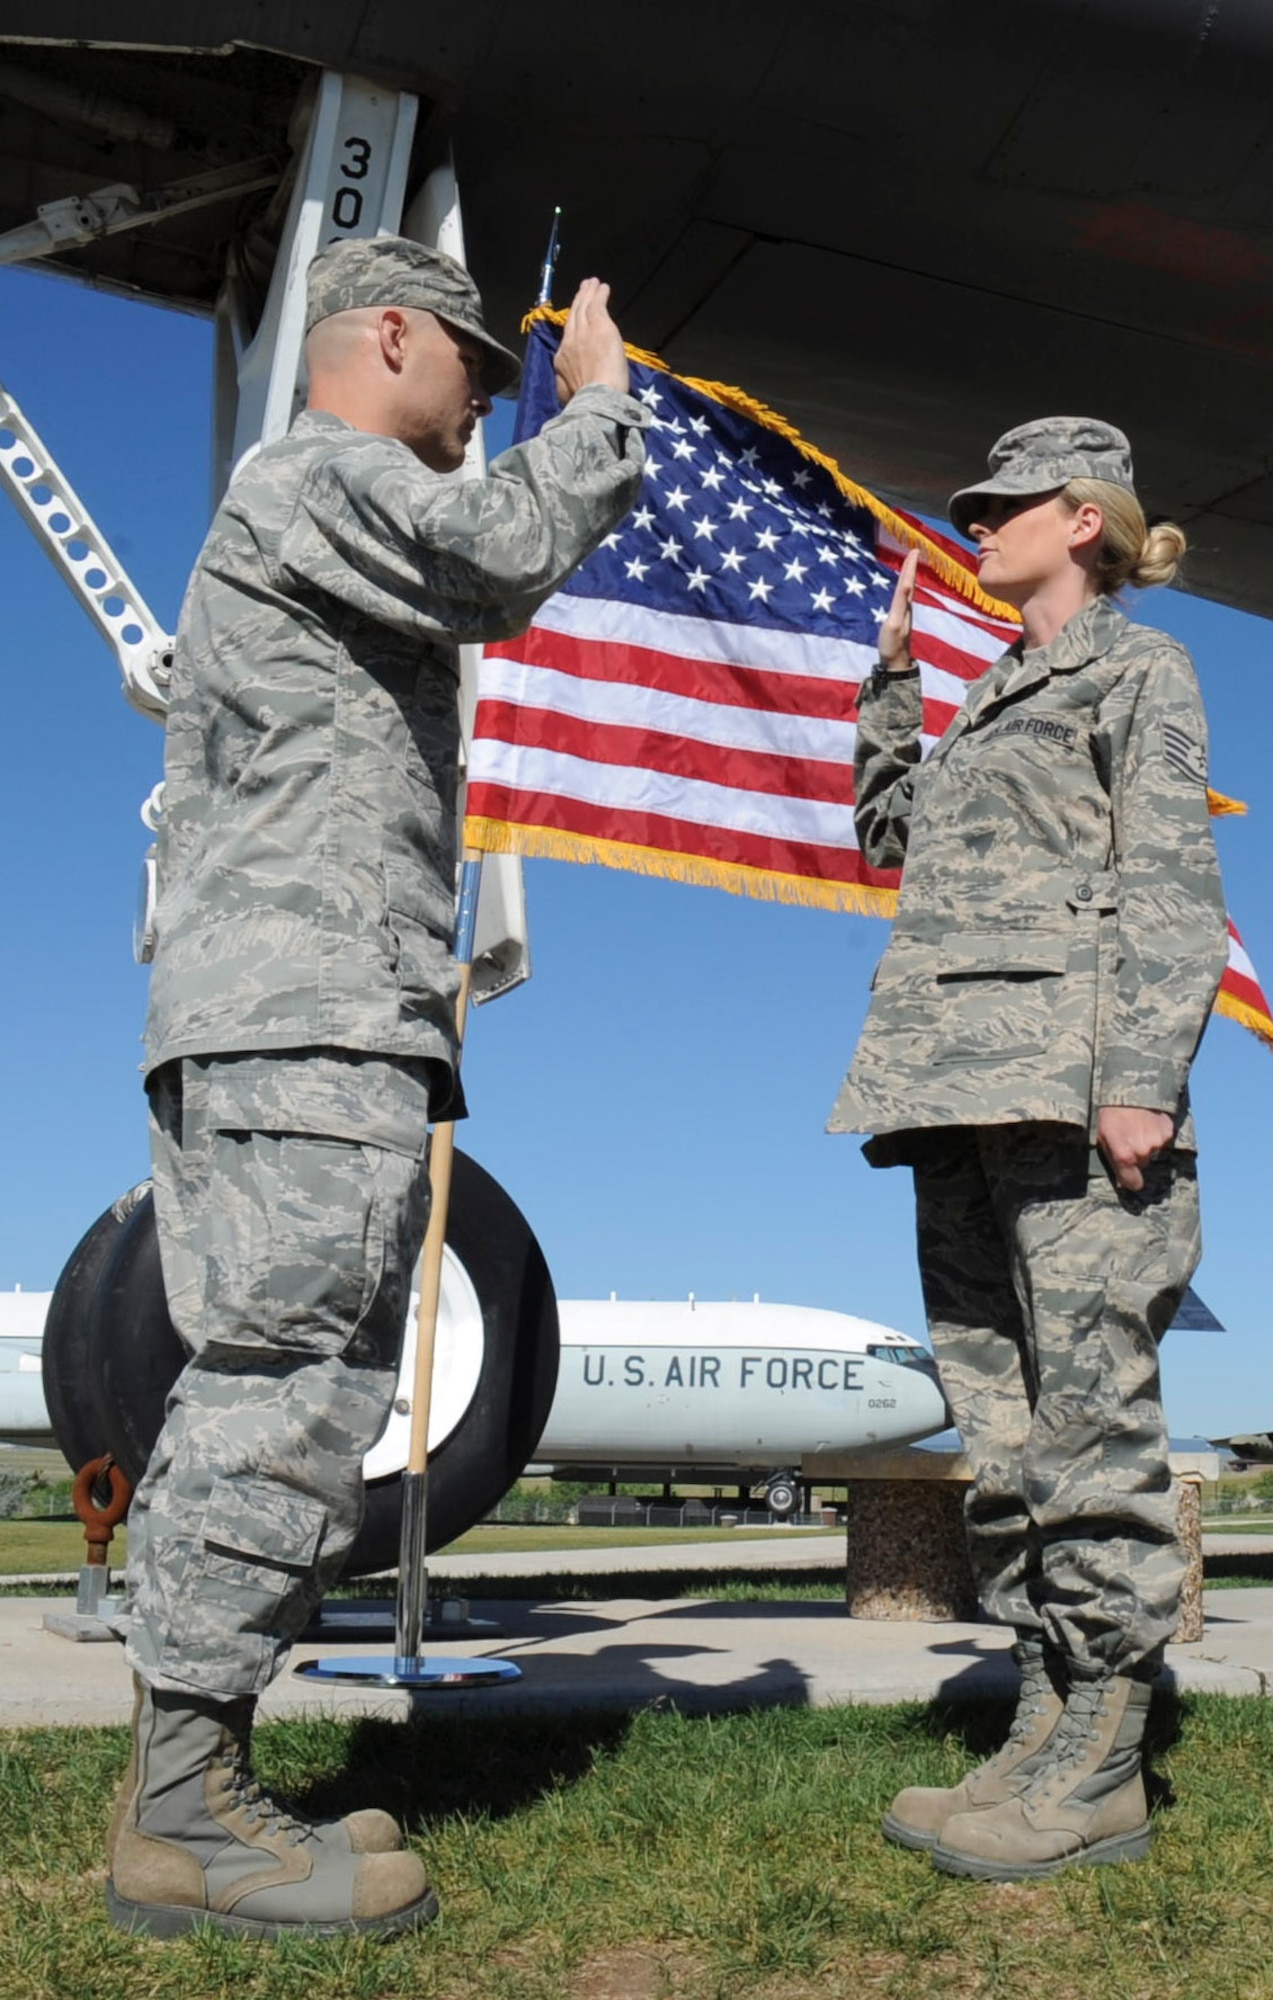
(308, 855)
(1061, 931)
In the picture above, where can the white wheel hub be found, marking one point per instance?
(457, 1367)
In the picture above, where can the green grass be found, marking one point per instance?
(667, 1858)
(1251, 1570)
(749, 1586)
(25, 1546)
(29, 1547)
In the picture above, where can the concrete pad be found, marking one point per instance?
(635, 1653)
(808, 1549)
(1231, 1542)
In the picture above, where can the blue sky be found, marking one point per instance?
(654, 1099)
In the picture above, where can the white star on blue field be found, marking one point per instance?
(733, 523)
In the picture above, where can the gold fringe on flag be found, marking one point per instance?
(946, 567)
(496, 836)
(1221, 807)
(1247, 1016)
(943, 565)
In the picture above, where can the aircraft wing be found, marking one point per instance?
(1194, 1315)
(1256, 1446)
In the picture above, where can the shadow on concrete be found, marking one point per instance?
(796, 1610)
(639, 1675)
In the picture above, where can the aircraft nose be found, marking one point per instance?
(926, 1404)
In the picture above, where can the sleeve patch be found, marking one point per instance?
(1184, 751)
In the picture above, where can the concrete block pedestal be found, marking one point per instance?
(906, 1557)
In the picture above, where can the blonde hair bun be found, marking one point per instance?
(1160, 555)
(1131, 551)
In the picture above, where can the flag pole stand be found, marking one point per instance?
(407, 1667)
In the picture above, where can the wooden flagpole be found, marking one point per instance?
(413, 1585)
(413, 1588)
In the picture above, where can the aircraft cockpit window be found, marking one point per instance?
(903, 1357)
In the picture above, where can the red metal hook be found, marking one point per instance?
(100, 1522)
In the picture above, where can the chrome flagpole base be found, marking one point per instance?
(406, 1666)
(417, 1675)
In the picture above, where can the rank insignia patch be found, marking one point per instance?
(1180, 749)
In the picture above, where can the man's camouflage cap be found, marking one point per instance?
(394, 271)
(1041, 456)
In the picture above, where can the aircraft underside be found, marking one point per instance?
(883, 221)
(906, 227)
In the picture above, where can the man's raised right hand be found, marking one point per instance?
(591, 347)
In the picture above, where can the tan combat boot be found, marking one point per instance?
(1085, 1802)
(918, 1815)
(366, 1831)
(199, 1842)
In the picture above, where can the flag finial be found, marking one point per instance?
(549, 266)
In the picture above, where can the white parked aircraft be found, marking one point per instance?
(709, 1386)
(24, 1417)
(666, 1391)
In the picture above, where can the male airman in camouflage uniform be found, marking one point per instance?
(301, 1028)
(1059, 937)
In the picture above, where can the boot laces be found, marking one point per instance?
(1035, 1686)
(1084, 1707)
(257, 1804)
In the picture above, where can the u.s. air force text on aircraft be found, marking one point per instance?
(603, 1368)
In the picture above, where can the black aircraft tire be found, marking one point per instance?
(134, 1354)
(75, 1413)
(484, 1455)
(129, 1356)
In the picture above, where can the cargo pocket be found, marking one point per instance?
(295, 1245)
(247, 1582)
(325, 1231)
(997, 995)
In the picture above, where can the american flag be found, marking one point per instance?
(685, 705)
(1240, 995)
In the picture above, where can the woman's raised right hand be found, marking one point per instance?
(895, 632)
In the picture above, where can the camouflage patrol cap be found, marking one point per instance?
(394, 271)
(1041, 456)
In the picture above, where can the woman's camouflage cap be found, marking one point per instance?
(1041, 456)
(394, 271)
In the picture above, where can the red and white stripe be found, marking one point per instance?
(717, 745)
(1239, 977)
(696, 737)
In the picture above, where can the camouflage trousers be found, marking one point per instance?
(1047, 1292)
(291, 1195)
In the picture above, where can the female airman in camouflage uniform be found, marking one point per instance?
(1059, 939)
